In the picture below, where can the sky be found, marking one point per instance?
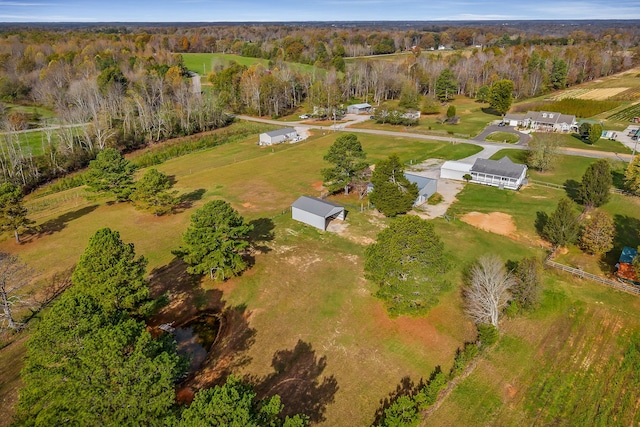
(311, 10)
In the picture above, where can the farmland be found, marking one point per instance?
(203, 63)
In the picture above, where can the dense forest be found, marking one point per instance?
(125, 87)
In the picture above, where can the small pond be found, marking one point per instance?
(195, 339)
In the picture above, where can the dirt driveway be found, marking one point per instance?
(447, 188)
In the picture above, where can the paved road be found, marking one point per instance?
(488, 147)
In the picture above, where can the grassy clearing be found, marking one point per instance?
(506, 137)
(607, 145)
(562, 365)
(473, 119)
(204, 63)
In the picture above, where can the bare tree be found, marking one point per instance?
(14, 277)
(488, 290)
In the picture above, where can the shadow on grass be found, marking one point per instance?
(618, 179)
(59, 223)
(188, 199)
(572, 187)
(541, 220)
(627, 234)
(406, 387)
(296, 379)
(262, 233)
(490, 110)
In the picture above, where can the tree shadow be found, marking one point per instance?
(541, 220)
(490, 110)
(188, 199)
(262, 233)
(58, 224)
(296, 379)
(406, 387)
(618, 179)
(627, 234)
(572, 187)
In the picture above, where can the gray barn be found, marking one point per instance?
(427, 187)
(316, 212)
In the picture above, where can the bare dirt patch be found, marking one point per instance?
(342, 229)
(494, 222)
(318, 186)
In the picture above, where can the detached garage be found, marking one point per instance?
(278, 136)
(316, 212)
(455, 170)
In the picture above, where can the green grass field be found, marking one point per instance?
(473, 119)
(506, 137)
(204, 63)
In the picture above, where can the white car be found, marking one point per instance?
(304, 116)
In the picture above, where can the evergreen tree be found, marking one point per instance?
(563, 224)
(392, 193)
(111, 173)
(408, 263)
(109, 271)
(446, 85)
(483, 94)
(526, 290)
(595, 133)
(501, 95)
(409, 97)
(215, 241)
(151, 193)
(596, 184)
(558, 75)
(13, 214)
(348, 158)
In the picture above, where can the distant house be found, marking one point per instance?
(624, 268)
(544, 121)
(316, 212)
(411, 114)
(501, 173)
(427, 187)
(278, 136)
(359, 108)
(455, 170)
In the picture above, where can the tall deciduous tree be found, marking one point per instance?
(151, 193)
(14, 277)
(488, 291)
(563, 225)
(543, 152)
(111, 173)
(392, 193)
(595, 133)
(235, 404)
(348, 158)
(13, 215)
(446, 85)
(632, 176)
(501, 95)
(408, 263)
(598, 232)
(596, 184)
(109, 271)
(215, 241)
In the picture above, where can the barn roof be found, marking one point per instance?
(364, 105)
(456, 166)
(503, 167)
(284, 131)
(317, 206)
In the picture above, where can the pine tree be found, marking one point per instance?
(597, 233)
(348, 158)
(392, 193)
(151, 193)
(111, 173)
(13, 215)
(596, 184)
(563, 225)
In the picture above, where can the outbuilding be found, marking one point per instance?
(427, 187)
(316, 212)
(454, 170)
(278, 136)
(359, 108)
(501, 173)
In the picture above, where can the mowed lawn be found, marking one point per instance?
(204, 63)
(308, 287)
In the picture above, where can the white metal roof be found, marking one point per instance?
(317, 206)
(456, 166)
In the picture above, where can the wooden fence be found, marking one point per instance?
(564, 187)
(584, 275)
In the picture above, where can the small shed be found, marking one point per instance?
(359, 108)
(427, 187)
(454, 170)
(278, 136)
(316, 212)
(624, 268)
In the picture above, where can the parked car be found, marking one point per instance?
(304, 116)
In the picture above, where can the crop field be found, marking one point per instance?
(570, 93)
(627, 114)
(631, 94)
(602, 94)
